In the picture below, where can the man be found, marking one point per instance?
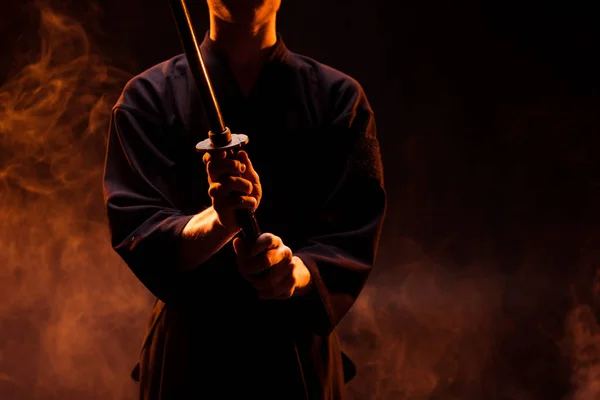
(236, 319)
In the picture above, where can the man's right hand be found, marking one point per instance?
(234, 184)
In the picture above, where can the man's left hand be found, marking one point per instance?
(271, 268)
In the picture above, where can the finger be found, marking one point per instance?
(224, 167)
(274, 276)
(237, 184)
(235, 202)
(213, 156)
(254, 267)
(283, 290)
(250, 173)
(264, 261)
(266, 241)
(239, 246)
(228, 185)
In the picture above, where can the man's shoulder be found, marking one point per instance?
(150, 91)
(342, 92)
(326, 76)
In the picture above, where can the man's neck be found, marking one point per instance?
(244, 45)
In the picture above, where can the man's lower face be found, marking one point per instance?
(244, 9)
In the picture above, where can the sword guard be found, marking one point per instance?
(237, 141)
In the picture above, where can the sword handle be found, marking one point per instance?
(247, 221)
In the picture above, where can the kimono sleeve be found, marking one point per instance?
(342, 243)
(142, 194)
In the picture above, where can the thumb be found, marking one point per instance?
(239, 246)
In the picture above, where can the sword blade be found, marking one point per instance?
(191, 48)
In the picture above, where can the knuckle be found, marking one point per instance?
(228, 164)
(264, 240)
(214, 189)
(268, 258)
(247, 186)
(228, 182)
(243, 201)
(283, 256)
(237, 182)
(272, 239)
(287, 253)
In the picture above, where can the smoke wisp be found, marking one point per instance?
(68, 307)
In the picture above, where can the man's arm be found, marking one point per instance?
(341, 244)
(144, 196)
(201, 238)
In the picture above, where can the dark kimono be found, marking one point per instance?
(313, 144)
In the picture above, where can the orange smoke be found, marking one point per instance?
(418, 334)
(582, 340)
(71, 314)
(436, 334)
